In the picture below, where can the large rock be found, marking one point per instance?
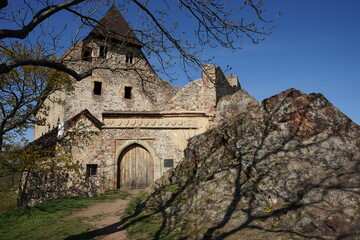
(289, 165)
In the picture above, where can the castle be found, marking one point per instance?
(128, 126)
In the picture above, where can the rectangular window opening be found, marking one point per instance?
(168, 163)
(91, 170)
(103, 52)
(97, 88)
(87, 54)
(127, 92)
(129, 57)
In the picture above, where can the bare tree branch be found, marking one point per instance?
(3, 3)
(36, 20)
(7, 67)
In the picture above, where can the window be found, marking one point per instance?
(127, 94)
(97, 88)
(103, 52)
(129, 57)
(87, 54)
(91, 170)
(168, 163)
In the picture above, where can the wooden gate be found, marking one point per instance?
(135, 168)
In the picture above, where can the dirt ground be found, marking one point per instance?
(105, 216)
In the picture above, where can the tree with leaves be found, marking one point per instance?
(29, 70)
(23, 91)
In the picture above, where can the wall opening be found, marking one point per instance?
(103, 52)
(91, 170)
(97, 88)
(87, 52)
(129, 57)
(135, 168)
(127, 94)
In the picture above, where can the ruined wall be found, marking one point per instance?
(203, 94)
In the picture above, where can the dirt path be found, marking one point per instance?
(105, 216)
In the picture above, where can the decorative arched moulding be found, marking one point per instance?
(151, 123)
(163, 120)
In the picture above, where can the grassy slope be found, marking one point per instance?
(46, 220)
(8, 191)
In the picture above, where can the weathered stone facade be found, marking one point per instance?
(138, 111)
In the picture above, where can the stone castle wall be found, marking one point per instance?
(148, 92)
(156, 116)
(163, 142)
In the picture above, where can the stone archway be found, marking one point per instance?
(135, 167)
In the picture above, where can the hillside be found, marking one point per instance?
(286, 168)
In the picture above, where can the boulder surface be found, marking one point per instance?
(288, 166)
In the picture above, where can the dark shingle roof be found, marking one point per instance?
(114, 26)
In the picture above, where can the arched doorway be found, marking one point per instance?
(135, 167)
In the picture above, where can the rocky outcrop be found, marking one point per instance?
(287, 166)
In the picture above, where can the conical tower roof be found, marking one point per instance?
(114, 26)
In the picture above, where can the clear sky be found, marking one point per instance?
(314, 48)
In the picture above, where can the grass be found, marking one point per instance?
(46, 220)
(8, 199)
(148, 227)
(8, 191)
(142, 195)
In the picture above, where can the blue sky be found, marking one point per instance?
(314, 48)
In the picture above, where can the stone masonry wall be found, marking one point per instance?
(148, 93)
(161, 143)
(52, 113)
(204, 93)
(65, 173)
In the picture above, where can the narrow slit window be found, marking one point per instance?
(129, 57)
(103, 52)
(97, 88)
(87, 54)
(91, 170)
(127, 94)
